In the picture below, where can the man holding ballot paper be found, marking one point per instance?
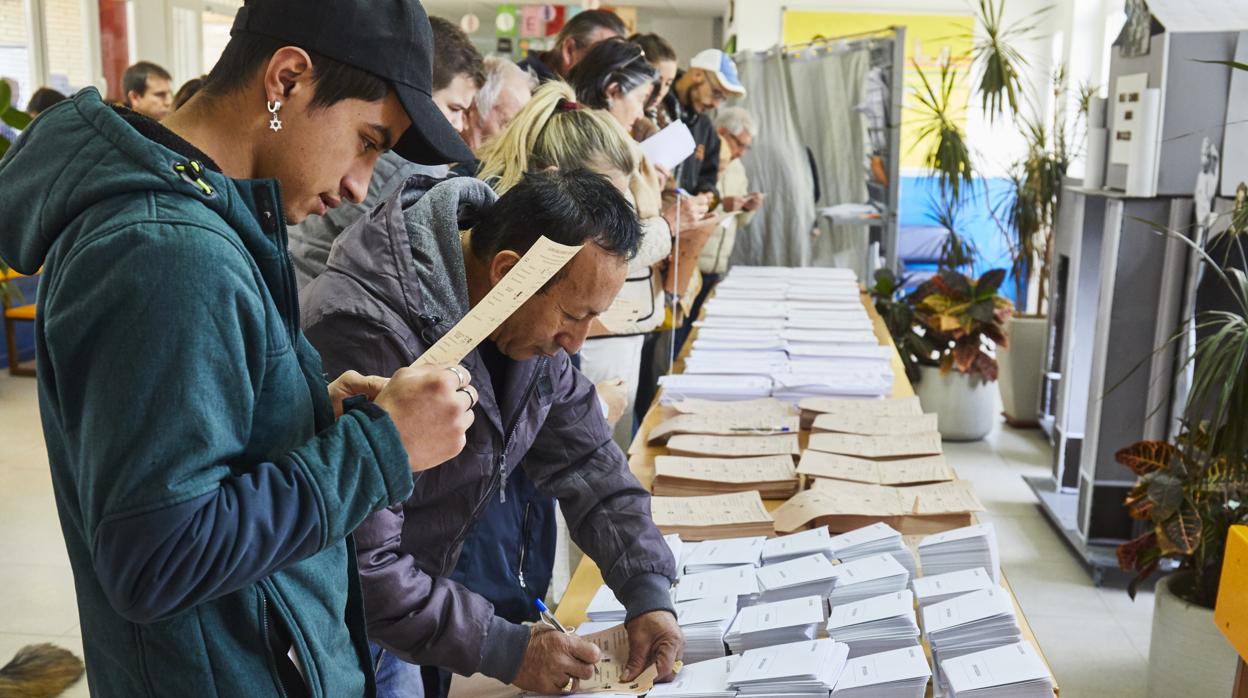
(509, 300)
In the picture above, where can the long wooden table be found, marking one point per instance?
(587, 579)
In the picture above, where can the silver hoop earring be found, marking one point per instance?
(275, 123)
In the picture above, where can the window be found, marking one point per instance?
(65, 27)
(15, 55)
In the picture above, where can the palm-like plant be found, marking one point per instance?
(947, 156)
(999, 63)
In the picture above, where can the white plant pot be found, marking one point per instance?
(1187, 654)
(1020, 365)
(965, 405)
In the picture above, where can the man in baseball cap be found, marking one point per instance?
(711, 78)
(207, 477)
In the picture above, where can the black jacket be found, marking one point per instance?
(700, 172)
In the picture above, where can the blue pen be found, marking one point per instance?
(548, 617)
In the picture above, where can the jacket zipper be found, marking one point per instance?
(264, 623)
(524, 544)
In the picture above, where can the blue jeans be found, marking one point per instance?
(395, 677)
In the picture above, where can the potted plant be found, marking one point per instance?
(895, 309)
(963, 319)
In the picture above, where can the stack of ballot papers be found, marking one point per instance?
(739, 582)
(900, 673)
(811, 408)
(810, 668)
(866, 577)
(723, 425)
(1012, 671)
(866, 382)
(845, 506)
(871, 425)
(773, 477)
(767, 407)
(755, 445)
(970, 623)
(890, 446)
(704, 679)
(872, 540)
(712, 555)
(962, 549)
(775, 623)
(604, 607)
(677, 546)
(717, 516)
(812, 575)
(795, 545)
(942, 587)
(704, 623)
(877, 624)
(686, 386)
(894, 471)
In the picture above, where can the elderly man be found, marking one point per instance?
(400, 279)
(507, 89)
(711, 77)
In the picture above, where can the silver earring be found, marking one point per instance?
(275, 123)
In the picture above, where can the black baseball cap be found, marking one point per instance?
(388, 38)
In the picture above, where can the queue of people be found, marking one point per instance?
(259, 492)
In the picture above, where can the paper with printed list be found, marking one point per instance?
(892, 407)
(774, 477)
(765, 407)
(543, 260)
(764, 445)
(845, 506)
(895, 446)
(609, 669)
(717, 516)
(870, 425)
(743, 424)
(903, 471)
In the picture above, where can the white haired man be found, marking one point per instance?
(507, 89)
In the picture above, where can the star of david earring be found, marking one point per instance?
(275, 123)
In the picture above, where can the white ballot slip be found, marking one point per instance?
(781, 548)
(866, 577)
(811, 575)
(930, 589)
(770, 624)
(741, 582)
(877, 624)
(543, 260)
(726, 552)
(604, 606)
(794, 669)
(970, 623)
(1011, 671)
(964, 548)
(901, 673)
(704, 623)
(671, 146)
(705, 679)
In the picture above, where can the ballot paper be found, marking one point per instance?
(892, 407)
(866, 577)
(543, 260)
(677, 546)
(810, 575)
(845, 506)
(930, 589)
(736, 323)
(782, 548)
(775, 623)
(790, 273)
(726, 552)
(853, 354)
(740, 582)
(604, 607)
(794, 669)
(725, 446)
(970, 623)
(769, 407)
(894, 446)
(703, 679)
(838, 320)
(900, 471)
(773, 477)
(614, 646)
(900, 673)
(744, 424)
(965, 548)
(704, 623)
(859, 381)
(871, 425)
(869, 541)
(682, 386)
(875, 624)
(590, 627)
(805, 336)
(670, 146)
(1013, 671)
(716, 516)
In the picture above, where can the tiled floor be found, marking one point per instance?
(1095, 639)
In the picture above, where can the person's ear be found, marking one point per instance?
(501, 264)
(288, 74)
(567, 50)
(132, 97)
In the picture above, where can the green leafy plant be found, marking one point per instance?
(888, 296)
(995, 56)
(948, 156)
(959, 315)
(957, 252)
(10, 115)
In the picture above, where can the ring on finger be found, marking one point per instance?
(472, 398)
(459, 376)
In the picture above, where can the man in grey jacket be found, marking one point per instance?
(399, 279)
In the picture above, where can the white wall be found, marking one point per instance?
(688, 35)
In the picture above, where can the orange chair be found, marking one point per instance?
(14, 314)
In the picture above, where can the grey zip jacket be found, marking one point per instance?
(394, 285)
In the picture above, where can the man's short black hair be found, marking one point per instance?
(570, 207)
(135, 77)
(454, 54)
(585, 23)
(42, 99)
(246, 53)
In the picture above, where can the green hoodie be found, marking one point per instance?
(205, 491)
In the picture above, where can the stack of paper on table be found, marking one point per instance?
(900, 471)
(702, 361)
(773, 477)
(782, 548)
(845, 506)
(736, 425)
(866, 577)
(864, 382)
(723, 322)
(848, 355)
(713, 555)
(704, 623)
(767, 407)
(878, 624)
(888, 407)
(942, 587)
(740, 582)
(831, 320)
(753, 445)
(870, 425)
(677, 546)
(604, 607)
(901, 673)
(1012, 671)
(962, 549)
(684, 386)
(809, 668)
(703, 679)
(717, 516)
(808, 336)
(812, 575)
(770, 624)
(970, 623)
(892, 446)
(869, 541)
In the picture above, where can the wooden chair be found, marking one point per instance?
(14, 314)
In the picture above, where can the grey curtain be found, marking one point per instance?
(776, 165)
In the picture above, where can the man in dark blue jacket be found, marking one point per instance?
(206, 476)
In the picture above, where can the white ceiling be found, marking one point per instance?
(682, 8)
